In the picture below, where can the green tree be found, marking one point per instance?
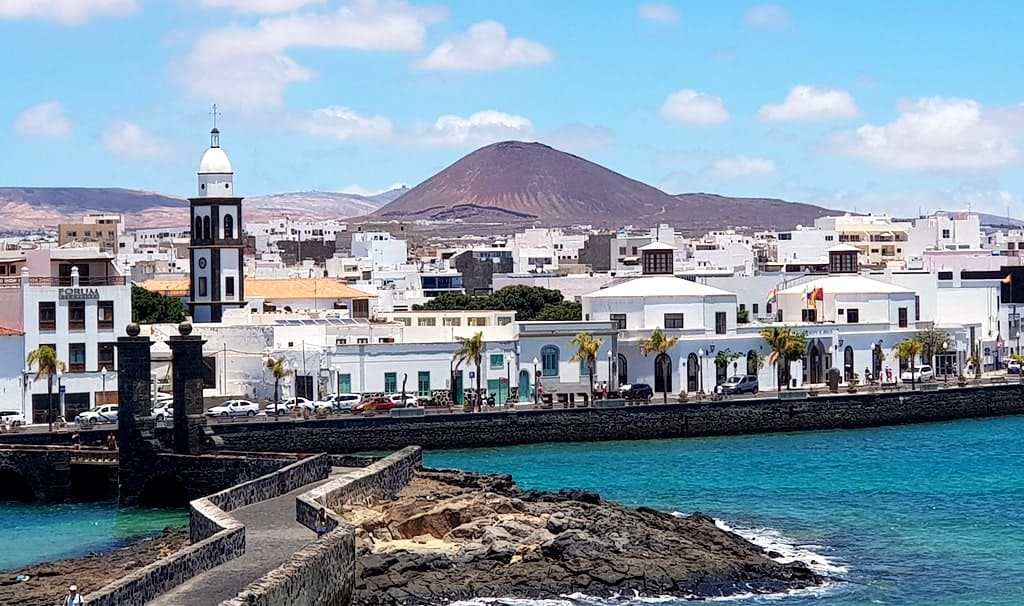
(564, 311)
(44, 358)
(786, 346)
(471, 349)
(659, 343)
(150, 307)
(529, 303)
(906, 351)
(724, 357)
(933, 342)
(587, 347)
(279, 370)
(742, 316)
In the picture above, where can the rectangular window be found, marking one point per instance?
(362, 341)
(76, 315)
(477, 321)
(917, 308)
(767, 308)
(344, 383)
(406, 321)
(829, 238)
(497, 361)
(945, 275)
(360, 308)
(753, 308)
(105, 355)
(902, 317)
(209, 372)
(105, 315)
(423, 382)
(202, 287)
(47, 316)
(622, 250)
(785, 236)
(619, 319)
(743, 306)
(673, 320)
(76, 357)
(852, 316)
(426, 321)
(229, 286)
(504, 320)
(945, 234)
(720, 322)
(390, 382)
(452, 322)
(808, 315)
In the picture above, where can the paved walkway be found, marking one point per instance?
(272, 536)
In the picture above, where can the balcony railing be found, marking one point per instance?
(62, 281)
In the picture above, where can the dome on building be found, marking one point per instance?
(214, 161)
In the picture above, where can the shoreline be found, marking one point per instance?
(48, 581)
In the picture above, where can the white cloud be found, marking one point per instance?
(130, 140)
(247, 65)
(68, 12)
(694, 107)
(811, 103)
(478, 129)
(767, 15)
(260, 6)
(485, 47)
(580, 138)
(344, 123)
(935, 133)
(740, 167)
(660, 13)
(43, 120)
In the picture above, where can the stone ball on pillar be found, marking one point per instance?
(132, 329)
(185, 328)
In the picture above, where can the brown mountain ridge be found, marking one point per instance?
(518, 182)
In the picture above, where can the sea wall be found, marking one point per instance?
(215, 535)
(729, 417)
(39, 472)
(324, 572)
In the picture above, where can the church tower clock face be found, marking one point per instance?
(202, 262)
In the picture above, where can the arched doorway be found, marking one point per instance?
(876, 360)
(14, 486)
(622, 370)
(662, 374)
(848, 370)
(691, 373)
(752, 362)
(814, 372)
(524, 386)
(164, 490)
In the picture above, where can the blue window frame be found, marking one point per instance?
(497, 361)
(549, 360)
(584, 368)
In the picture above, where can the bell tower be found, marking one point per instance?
(217, 243)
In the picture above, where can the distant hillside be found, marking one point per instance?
(30, 208)
(516, 182)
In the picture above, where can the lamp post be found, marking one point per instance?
(509, 357)
(700, 369)
(536, 383)
(103, 374)
(609, 356)
(60, 375)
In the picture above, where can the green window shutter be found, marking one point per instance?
(390, 382)
(344, 383)
(423, 382)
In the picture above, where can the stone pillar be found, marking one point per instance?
(135, 399)
(187, 380)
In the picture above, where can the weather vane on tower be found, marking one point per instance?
(215, 113)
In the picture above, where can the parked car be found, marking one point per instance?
(339, 402)
(378, 403)
(410, 399)
(738, 384)
(234, 408)
(924, 373)
(165, 411)
(1013, 367)
(289, 406)
(101, 414)
(11, 418)
(637, 391)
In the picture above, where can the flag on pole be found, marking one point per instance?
(814, 296)
(773, 295)
(1008, 279)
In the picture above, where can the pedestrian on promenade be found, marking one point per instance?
(321, 523)
(76, 440)
(604, 390)
(111, 442)
(73, 598)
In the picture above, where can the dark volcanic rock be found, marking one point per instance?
(454, 535)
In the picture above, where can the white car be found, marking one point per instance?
(101, 414)
(235, 408)
(165, 411)
(411, 399)
(289, 406)
(339, 402)
(924, 373)
(11, 418)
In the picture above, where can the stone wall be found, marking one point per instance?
(199, 475)
(323, 574)
(46, 471)
(729, 417)
(215, 535)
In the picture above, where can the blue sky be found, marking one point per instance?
(868, 106)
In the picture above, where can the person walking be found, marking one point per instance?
(73, 598)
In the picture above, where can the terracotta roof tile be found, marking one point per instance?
(270, 289)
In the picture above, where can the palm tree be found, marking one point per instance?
(907, 350)
(787, 346)
(47, 365)
(586, 352)
(660, 344)
(471, 349)
(279, 369)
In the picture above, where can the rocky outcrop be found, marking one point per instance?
(453, 535)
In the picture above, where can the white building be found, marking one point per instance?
(381, 248)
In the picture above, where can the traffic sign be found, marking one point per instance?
(63, 389)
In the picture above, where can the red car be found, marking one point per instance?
(378, 403)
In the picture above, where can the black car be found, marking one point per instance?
(637, 391)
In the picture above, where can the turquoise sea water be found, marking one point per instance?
(36, 532)
(923, 514)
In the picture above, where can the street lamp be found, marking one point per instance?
(103, 374)
(536, 383)
(59, 376)
(509, 357)
(609, 356)
(700, 369)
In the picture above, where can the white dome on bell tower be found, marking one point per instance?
(216, 179)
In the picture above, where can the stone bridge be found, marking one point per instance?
(54, 473)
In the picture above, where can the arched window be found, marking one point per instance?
(662, 374)
(622, 374)
(752, 362)
(549, 360)
(197, 231)
(848, 370)
(229, 227)
(206, 228)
